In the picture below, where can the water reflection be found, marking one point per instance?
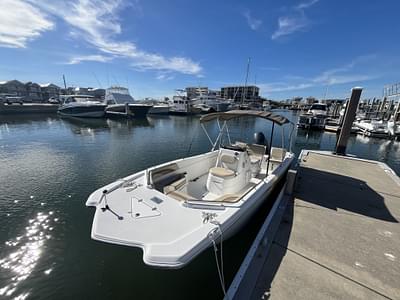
(129, 123)
(85, 126)
(27, 119)
(310, 138)
(92, 126)
(24, 253)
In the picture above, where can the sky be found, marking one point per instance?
(319, 48)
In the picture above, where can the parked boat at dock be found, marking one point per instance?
(83, 106)
(314, 118)
(374, 128)
(196, 200)
(160, 109)
(183, 106)
(121, 104)
(211, 103)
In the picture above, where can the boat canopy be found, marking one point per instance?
(225, 116)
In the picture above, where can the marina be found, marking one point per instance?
(148, 152)
(45, 180)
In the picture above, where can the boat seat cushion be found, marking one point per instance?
(176, 185)
(166, 180)
(256, 150)
(222, 172)
(160, 172)
(277, 154)
(228, 198)
(180, 196)
(229, 159)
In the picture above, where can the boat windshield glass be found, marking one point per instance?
(318, 107)
(83, 99)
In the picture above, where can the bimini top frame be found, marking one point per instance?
(229, 115)
(226, 116)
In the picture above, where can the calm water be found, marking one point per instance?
(49, 166)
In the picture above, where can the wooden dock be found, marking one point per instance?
(337, 237)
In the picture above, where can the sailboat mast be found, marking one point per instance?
(247, 77)
(65, 84)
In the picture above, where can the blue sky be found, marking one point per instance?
(297, 48)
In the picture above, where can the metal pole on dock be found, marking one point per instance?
(349, 117)
(397, 112)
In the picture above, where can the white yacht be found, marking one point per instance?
(210, 103)
(182, 105)
(121, 104)
(373, 128)
(314, 118)
(176, 210)
(318, 109)
(83, 106)
(160, 108)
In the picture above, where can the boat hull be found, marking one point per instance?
(133, 111)
(92, 111)
(159, 110)
(186, 111)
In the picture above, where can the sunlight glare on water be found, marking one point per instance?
(24, 251)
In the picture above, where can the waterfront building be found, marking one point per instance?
(330, 102)
(13, 87)
(50, 90)
(239, 93)
(68, 91)
(309, 100)
(33, 92)
(194, 92)
(97, 93)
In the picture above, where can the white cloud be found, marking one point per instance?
(99, 58)
(165, 76)
(283, 87)
(20, 22)
(288, 25)
(251, 21)
(294, 22)
(304, 5)
(97, 22)
(340, 75)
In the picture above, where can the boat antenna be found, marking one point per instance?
(255, 83)
(98, 82)
(326, 91)
(247, 77)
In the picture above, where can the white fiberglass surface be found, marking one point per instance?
(138, 215)
(172, 222)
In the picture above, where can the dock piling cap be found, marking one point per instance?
(357, 88)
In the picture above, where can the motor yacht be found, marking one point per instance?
(121, 104)
(83, 106)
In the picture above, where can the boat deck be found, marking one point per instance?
(339, 237)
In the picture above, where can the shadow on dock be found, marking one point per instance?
(322, 191)
(345, 193)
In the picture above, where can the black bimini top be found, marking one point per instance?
(232, 114)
